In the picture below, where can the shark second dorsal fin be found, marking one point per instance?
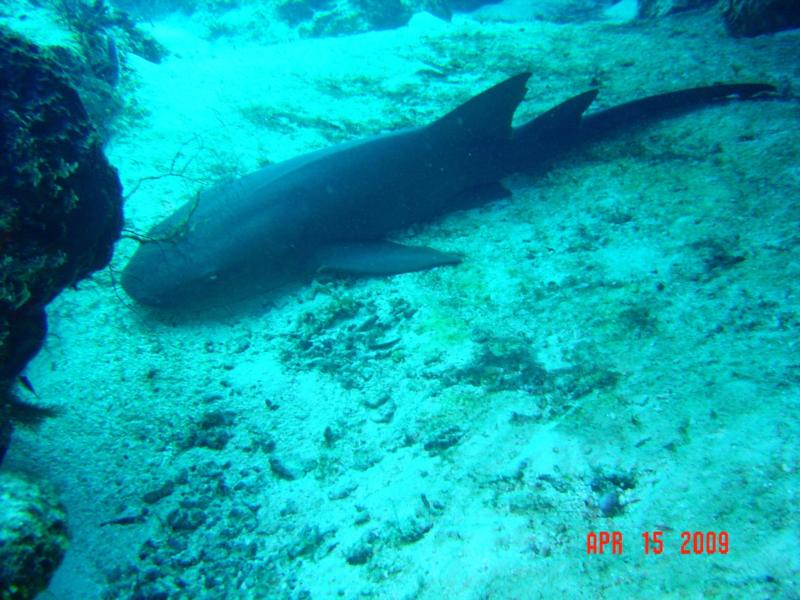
(549, 133)
(487, 115)
(561, 117)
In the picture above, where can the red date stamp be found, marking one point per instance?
(691, 542)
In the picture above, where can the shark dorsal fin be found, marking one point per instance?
(556, 129)
(487, 115)
(566, 114)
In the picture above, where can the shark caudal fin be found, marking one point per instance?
(665, 105)
(566, 126)
(487, 115)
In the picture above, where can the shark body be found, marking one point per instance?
(332, 209)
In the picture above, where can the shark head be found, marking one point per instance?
(162, 276)
(184, 273)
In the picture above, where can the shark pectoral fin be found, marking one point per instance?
(379, 258)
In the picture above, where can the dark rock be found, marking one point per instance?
(358, 554)
(377, 401)
(319, 18)
(529, 502)
(60, 200)
(504, 364)
(660, 8)
(261, 441)
(213, 430)
(295, 12)
(610, 504)
(749, 18)
(306, 542)
(160, 493)
(603, 482)
(443, 440)
(195, 501)
(152, 594)
(438, 8)
(383, 14)
(470, 5)
(95, 22)
(280, 469)
(385, 413)
(331, 436)
(182, 519)
(608, 487)
(33, 537)
(290, 509)
(362, 516)
(177, 544)
(412, 530)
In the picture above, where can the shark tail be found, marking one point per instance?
(667, 105)
(566, 125)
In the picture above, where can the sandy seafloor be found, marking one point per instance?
(626, 323)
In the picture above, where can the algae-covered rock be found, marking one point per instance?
(660, 8)
(33, 537)
(320, 18)
(470, 5)
(60, 200)
(749, 18)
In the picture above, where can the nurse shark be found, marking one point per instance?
(332, 210)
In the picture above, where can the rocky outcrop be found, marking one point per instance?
(748, 18)
(33, 537)
(318, 18)
(60, 200)
(660, 8)
(743, 18)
